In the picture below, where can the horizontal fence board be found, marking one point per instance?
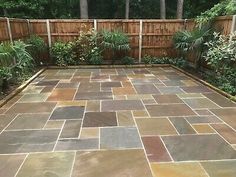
(156, 37)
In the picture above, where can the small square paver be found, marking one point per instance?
(155, 149)
(93, 106)
(119, 138)
(117, 105)
(68, 112)
(48, 164)
(87, 133)
(198, 147)
(10, 164)
(125, 118)
(221, 168)
(112, 163)
(203, 128)
(169, 110)
(154, 126)
(189, 169)
(29, 121)
(71, 129)
(99, 119)
(28, 141)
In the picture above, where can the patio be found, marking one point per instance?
(133, 122)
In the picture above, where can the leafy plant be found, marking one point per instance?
(62, 53)
(86, 48)
(221, 57)
(189, 41)
(116, 42)
(37, 47)
(127, 60)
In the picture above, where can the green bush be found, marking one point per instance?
(87, 47)
(16, 62)
(37, 47)
(62, 53)
(127, 60)
(193, 41)
(221, 57)
(116, 42)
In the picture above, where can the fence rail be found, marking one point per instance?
(152, 37)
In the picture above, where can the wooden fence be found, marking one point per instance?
(152, 37)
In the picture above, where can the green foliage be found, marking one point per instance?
(226, 7)
(127, 60)
(62, 53)
(37, 47)
(87, 47)
(179, 62)
(189, 41)
(15, 62)
(221, 57)
(116, 42)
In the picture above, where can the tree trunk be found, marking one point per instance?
(127, 9)
(163, 9)
(83, 9)
(180, 6)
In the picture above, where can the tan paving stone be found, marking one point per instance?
(93, 106)
(125, 118)
(87, 133)
(203, 128)
(140, 113)
(62, 95)
(178, 170)
(123, 91)
(54, 124)
(225, 131)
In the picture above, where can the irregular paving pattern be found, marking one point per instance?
(134, 122)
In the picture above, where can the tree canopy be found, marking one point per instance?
(100, 9)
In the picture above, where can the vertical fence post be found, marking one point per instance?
(49, 33)
(140, 39)
(233, 27)
(28, 26)
(9, 29)
(95, 25)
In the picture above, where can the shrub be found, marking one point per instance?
(37, 47)
(87, 49)
(221, 57)
(116, 42)
(127, 60)
(62, 53)
(189, 41)
(147, 59)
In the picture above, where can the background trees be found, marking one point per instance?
(100, 8)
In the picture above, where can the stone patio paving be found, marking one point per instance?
(139, 122)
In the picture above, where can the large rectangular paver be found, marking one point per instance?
(117, 105)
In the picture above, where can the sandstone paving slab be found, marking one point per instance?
(68, 112)
(87, 133)
(170, 90)
(40, 107)
(34, 97)
(203, 128)
(58, 164)
(197, 89)
(54, 124)
(62, 95)
(77, 144)
(99, 119)
(199, 103)
(28, 121)
(93, 95)
(5, 119)
(220, 168)
(110, 84)
(28, 141)
(220, 100)
(146, 89)
(115, 163)
(123, 91)
(225, 131)
(125, 118)
(71, 129)
(93, 106)
(202, 119)
(155, 149)
(227, 115)
(178, 170)
(89, 87)
(182, 126)
(169, 110)
(117, 105)
(198, 147)
(153, 126)
(10, 164)
(119, 138)
(164, 99)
